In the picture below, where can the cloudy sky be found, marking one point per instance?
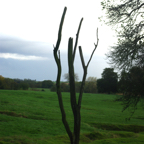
(29, 29)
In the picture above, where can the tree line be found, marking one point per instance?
(19, 84)
(127, 82)
(127, 55)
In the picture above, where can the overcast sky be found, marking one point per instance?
(29, 29)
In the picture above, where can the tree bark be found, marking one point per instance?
(76, 106)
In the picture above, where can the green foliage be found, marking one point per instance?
(101, 85)
(24, 86)
(53, 88)
(126, 16)
(1, 82)
(91, 85)
(7, 83)
(38, 84)
(47, 84)
(108, 83)
(16, 84)
(65, 87)
(31, 83)
(28, 117)
(131, 84)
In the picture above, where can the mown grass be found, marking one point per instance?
(33, 117)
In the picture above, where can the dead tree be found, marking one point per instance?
(75, 105)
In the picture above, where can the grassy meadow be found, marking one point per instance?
(33, 117)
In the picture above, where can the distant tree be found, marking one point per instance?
(1, 78)
(38, 84)
(18, 80)
(8, 83)
(78, 86)
(91, 85)
(109, 81)
(66, 77)
(47, 84)
(101, 85)
(122, 80)
(131, 84)
(1, 82)
(24, 86)
(65, 87)
(53, 88)
(15, 86)
(31, 83)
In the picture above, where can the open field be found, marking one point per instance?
(33, 117)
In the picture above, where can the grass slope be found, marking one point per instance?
(33, 117)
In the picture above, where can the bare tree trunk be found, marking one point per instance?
(58, 62)
(76, 106)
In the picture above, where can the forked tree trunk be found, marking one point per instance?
(76, 106)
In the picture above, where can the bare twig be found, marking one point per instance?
(85, 70)
(94, 48)
(81, 56)
(77, 36)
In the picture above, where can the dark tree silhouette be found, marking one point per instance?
(131, 85)
(47, 84)
(75, 105)
(108, 82)
(127, 17)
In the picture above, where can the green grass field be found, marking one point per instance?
(33, 117)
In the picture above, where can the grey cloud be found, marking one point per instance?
(15, 45)
(41, 70)
(47, 69)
